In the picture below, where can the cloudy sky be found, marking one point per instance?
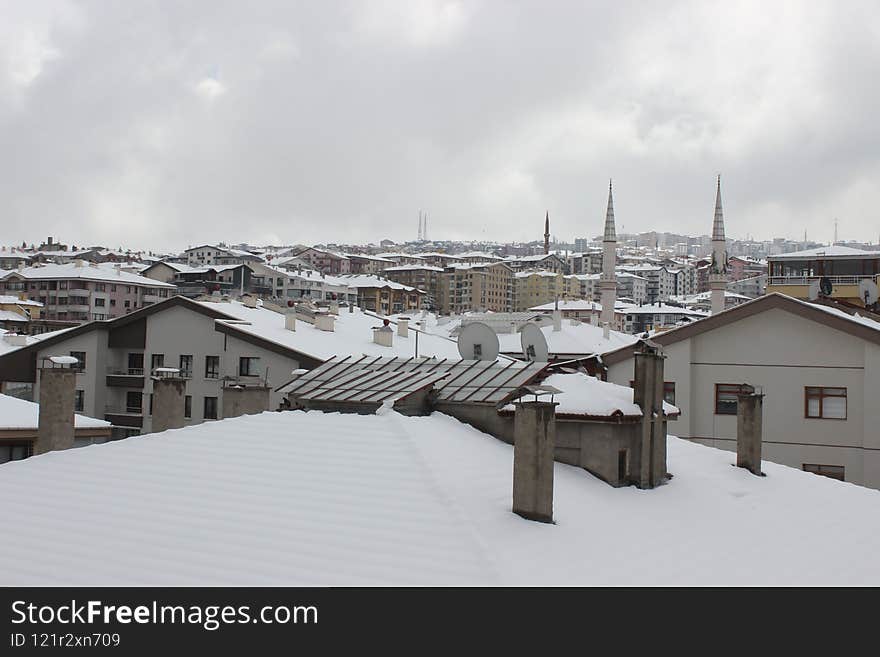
(164, 124)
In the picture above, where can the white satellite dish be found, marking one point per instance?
(534, 344)
(64, 360)
(478, 342)
(868, 291)
(813, 292)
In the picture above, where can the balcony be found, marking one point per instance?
(125, 416)
(125, 377)
(842, 287)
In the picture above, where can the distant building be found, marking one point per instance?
(835, 271)
(479, 287)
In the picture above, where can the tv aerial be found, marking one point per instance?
(478, 342)
(534, 344)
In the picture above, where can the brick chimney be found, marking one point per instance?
(55, 429)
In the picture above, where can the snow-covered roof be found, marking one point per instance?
(414, 268)
(583, 394)
(103, 272)
(367, 280)
(352, 333)
(10, 316)
(542, 273)
(22, 414)
(823, 252)
(331, 499)
(9, 298)
(434, 254)
(662, 309)
(203, 269)
(568, 304)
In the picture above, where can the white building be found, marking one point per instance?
(818, 367)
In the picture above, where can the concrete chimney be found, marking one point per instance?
(55, 429)
(249, 301)
(648, 395)
(334, 307)
(290, 321)
(557, 320)
(384, 335)
(749, 429)
(169, 401)
(594, 319)
(403, 327)
(606, 330)
(245, 400)
(79, 263)
(325, 322)
(534, 429)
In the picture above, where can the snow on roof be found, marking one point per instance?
(706, 296)
(542, 273)
(22, 414)
(571, 339)
(530, 258)
(569, 304)
(11, 299)
(352, 334)
(583, 394)
(864, 321)
(662, 309)
(842, 252)
(434, 254)
(415, 500)
(106, 272)
(414, 268)
(366, 280)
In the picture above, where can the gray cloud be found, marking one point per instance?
(138, 124)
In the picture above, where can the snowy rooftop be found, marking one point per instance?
(106, 272)
(569, 304)
(352, 334)
(414, 268)
(841, 252)
(583, 394)
(543, 272)
(416, 500)
(22, 414)
(366, 280)
(662, 309)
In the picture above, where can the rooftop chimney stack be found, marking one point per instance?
(534, 429)
(324, 321)
(55, 429)
(648, 395)
(749, 429)
(403, 327)
(169, 399)
(290, 320)
(383, 335)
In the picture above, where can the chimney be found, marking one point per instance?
(79, 263)
(15, 340)
(383, 335)
(55, 429)
(403, 327)
(594, 319)
(557, 320)
(648, 395)
(244, 400)
(249, 301)
(749, 429)
(534, 429)
(169, 399)
(606, 330)
(290, 321)
(334, 307)
(325, 321)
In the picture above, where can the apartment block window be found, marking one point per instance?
(186, 365)
(127, 303)
(151, 404)
(79, 399)
(100, 287)
(248, 366)
(134, 402)
(825, 403)
(188, 406)
(62, 285)
(157, 360)
(81, 357)
(833, 471)
(100, 302)
(210, 408)
(725, 398)
(14, 451)
(212, 367)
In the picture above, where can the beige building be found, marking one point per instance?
(421, 276)
(479, 287)
(818, 367)
(533, 288)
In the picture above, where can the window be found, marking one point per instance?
(126, 303)
(134, 402)
(151, 404)
(100, 302)
(14, 451)
(186, 365)
(210, 408)
(79, 399)
(62, 285)
(825, 403)
(100, 287)
(248, 366)
(212, 367)
(188, 406)
(81, 357)
(668, 390)
(112, 289)
(136, 364)
(157, 360)
(833, 471)
(112, 302)
(725, 398)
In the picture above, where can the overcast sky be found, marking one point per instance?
(164, 124)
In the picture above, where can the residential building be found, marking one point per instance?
(479, 287)
(383, 296)
(208, 255)
(532, 288)
(541, 261)
(421, 276)
(657, 317)
(326, 262)
(818, 367)
(830, 271)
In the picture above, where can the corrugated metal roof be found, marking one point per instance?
(380, 378)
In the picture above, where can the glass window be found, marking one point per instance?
(79, 400)
(725, 398)
(81, 357)
(210, 408)
(188, 406)
(134, 402)
(212, 367)
(825, 403)
(186, 365)
(157, 360)
(248, 366)
(100, 302)
(833, 471)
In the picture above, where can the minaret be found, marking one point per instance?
(718, 268)
(608, 280)
(547, 233)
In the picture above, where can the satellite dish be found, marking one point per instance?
(868, 291)
(813, 292)
(825, 286)
(534, 344)
(478, 342)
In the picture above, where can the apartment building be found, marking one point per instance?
(533, 288)
(13, 258)
(325, 262)
(477, 287)
(81, 291)
(544, 262)
(818, 368)
(361, 263)
(657, 317)
(421, 276)
(661, 282)
(630, 286)
(837, 269)
(208, 255)
(208, 342)
(384, 296)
